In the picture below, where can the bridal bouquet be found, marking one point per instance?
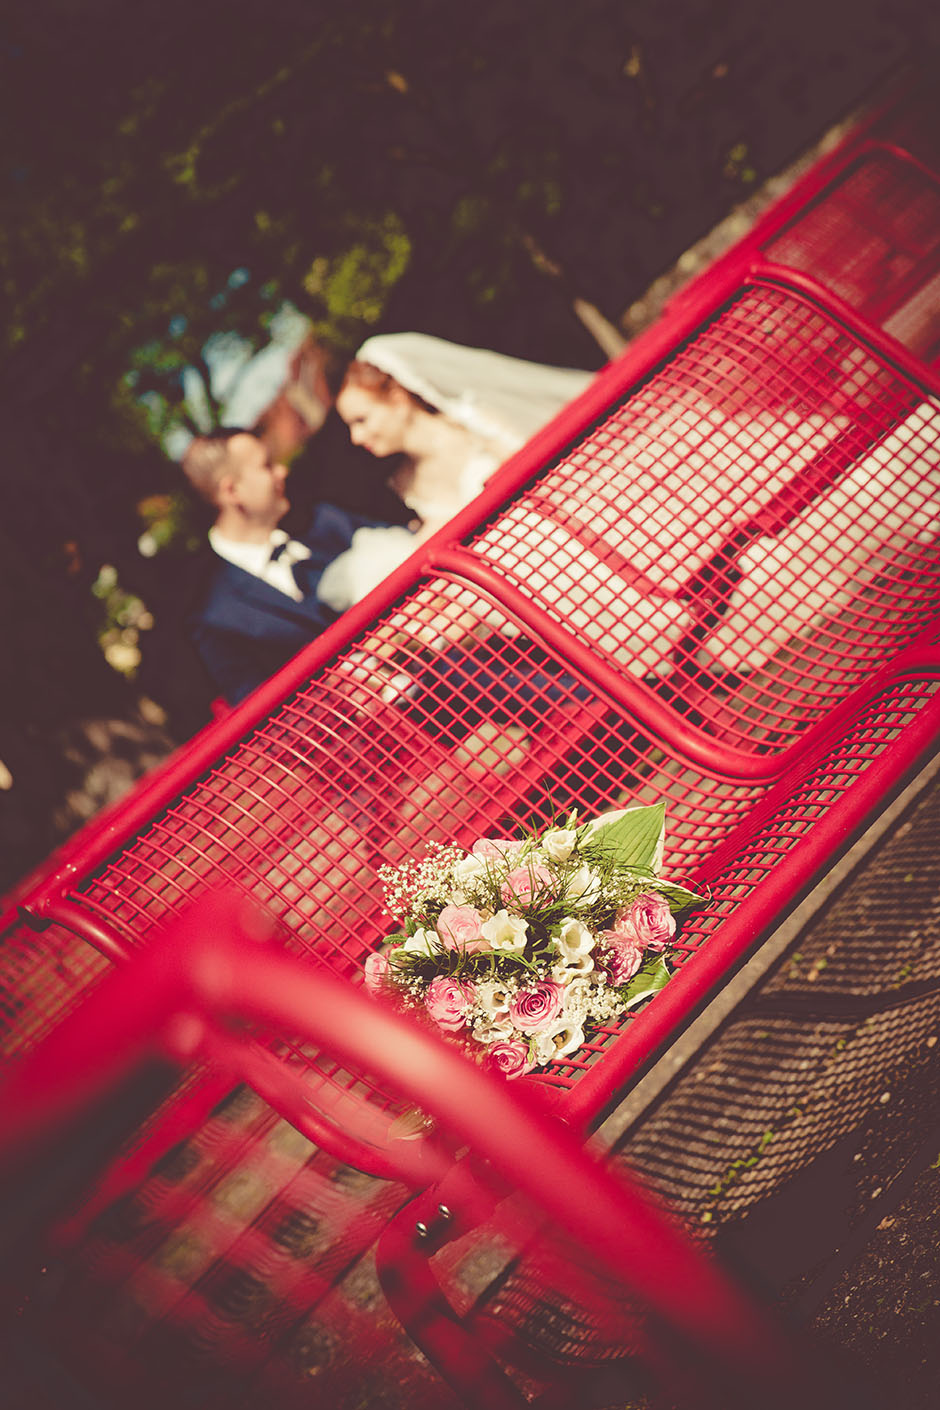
(520, 946)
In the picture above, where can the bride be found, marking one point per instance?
(447, 416)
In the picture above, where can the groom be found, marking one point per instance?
(261, 603)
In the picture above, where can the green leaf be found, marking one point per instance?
(678, 897)
(649, 979)
(632, 837)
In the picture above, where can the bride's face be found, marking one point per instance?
(378, 422)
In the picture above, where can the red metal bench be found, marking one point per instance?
(712, 582)
(638, 1305)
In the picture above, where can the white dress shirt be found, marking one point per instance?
(256, 558)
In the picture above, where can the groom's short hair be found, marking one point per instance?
(206, 460)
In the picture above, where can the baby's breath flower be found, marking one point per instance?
(495, 1030)
(543, 912)
(426, 879)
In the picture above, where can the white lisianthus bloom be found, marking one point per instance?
(583, 886)
(423, 942)
(471, 868)
(564, 1036)
(505, 932)
(573, 940)
(559, 844)
(565, 971)
(493, 998)
(494, 1031)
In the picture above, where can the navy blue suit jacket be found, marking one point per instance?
(244, 629)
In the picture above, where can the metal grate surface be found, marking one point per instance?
(238, 1273)
(312, 857)
(779, 825)
(42, 977)
(764, 509)
(783, 1133)
(874, 239)
(410, 736)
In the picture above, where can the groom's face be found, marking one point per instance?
(258, 481)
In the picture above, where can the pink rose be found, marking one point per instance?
(623, 957)
(651, 921)
(376, 972)
(510, 1058)
(535, 1008)
(459, 928)
(494, 847)
(527, 884)
(447, 1001)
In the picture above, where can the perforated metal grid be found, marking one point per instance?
(873, 237)
(42, 977)
(236, 1273)
(780, 823)
(410, 773)
(764, 509)
(444, 722)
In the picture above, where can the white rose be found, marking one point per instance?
(583, 886)
(573, 940)
(564, 1036)
(505, 932)
(423, 942)
(559, 845)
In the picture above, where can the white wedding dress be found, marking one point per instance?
(499, 401)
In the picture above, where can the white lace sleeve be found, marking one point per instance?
(372, 555)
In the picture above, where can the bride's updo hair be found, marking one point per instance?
(372, 379)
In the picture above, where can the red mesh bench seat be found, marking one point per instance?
(873, 237)
(660, 598)
(676, 536)
(712, 583)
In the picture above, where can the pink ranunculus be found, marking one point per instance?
(510, 1058)
(536, 1007)
(376, 972)
(447, 1001)
(459, 928)
(622, 955)
(527, 884)
(651, 921)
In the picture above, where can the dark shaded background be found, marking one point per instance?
(525, 152)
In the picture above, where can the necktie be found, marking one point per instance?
(288, 554)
